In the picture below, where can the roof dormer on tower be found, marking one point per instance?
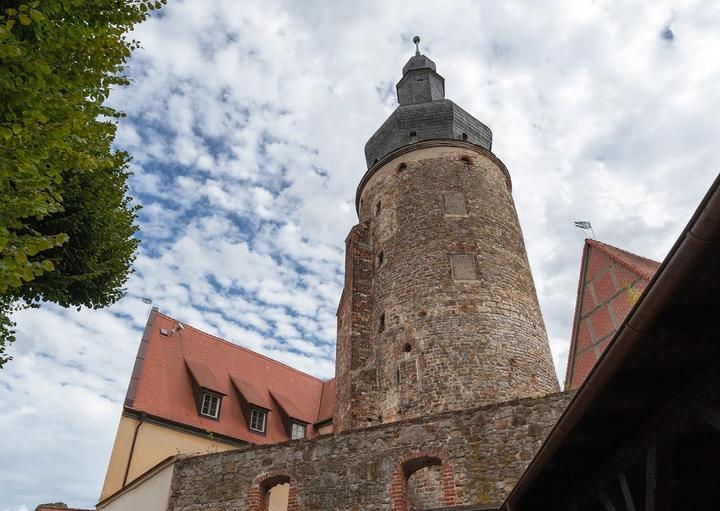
(424, 114)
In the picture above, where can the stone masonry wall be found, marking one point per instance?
(455, 321)
(356, 397)
(481, 454)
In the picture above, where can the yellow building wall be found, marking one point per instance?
(151, 493)
(154, 443)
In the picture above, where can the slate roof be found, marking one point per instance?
(611, 280)
(170, 367)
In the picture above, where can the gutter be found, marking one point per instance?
(132, 448)
(702, 230)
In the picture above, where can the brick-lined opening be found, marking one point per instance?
(259, 493)
(410, 463)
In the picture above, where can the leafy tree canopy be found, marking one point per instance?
(66, 223)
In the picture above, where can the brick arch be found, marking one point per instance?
(410, 463)
(258, 492)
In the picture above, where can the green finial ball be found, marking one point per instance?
(416, 39)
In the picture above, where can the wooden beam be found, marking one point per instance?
(656, 429)
(658, 480)
(609, 506)
(711, 415)
(629, 504)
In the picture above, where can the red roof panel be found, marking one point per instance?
(165, 387)
(203, 376)
(251, 394)
(327, 402)
(607, 274)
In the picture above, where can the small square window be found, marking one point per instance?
(298, 430)
(257, 420)
(210, 405)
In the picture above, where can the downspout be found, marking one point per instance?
(132, 448)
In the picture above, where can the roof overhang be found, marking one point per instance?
(664, 357)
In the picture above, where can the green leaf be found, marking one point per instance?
(67, 226)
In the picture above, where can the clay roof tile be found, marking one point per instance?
(168, 364)
(250, 393)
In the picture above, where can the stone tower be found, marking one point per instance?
(439, 310)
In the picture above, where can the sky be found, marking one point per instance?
(247, 122)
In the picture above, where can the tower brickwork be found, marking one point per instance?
(439, 310)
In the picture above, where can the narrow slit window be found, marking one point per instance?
(413, 136)
(381, 323)
(210, 405)
(378, 207)
(380, 258)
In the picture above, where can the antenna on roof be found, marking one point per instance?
(416, 40)
(147, 301)
(585, 225)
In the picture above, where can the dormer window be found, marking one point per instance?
(210, 406)
(257, 420)
(298, 430)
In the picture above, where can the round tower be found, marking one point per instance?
(439, 310)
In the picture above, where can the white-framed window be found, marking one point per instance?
(210, 405)
(257, 420)
(298, 430)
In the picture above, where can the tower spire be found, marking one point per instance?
(416, 40)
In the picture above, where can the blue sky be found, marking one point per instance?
(247, 122)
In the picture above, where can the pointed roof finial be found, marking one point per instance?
(416, 40)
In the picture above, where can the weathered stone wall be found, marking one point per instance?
(481, 453)
(356, 399)
(455, 317)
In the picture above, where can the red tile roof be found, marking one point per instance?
(611, 280)
(327, 401)
(643, 266)
(204, 376)
(167, 364)
(250, 393)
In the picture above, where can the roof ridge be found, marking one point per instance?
(576, 315)
(609, 251)
(232, 344)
